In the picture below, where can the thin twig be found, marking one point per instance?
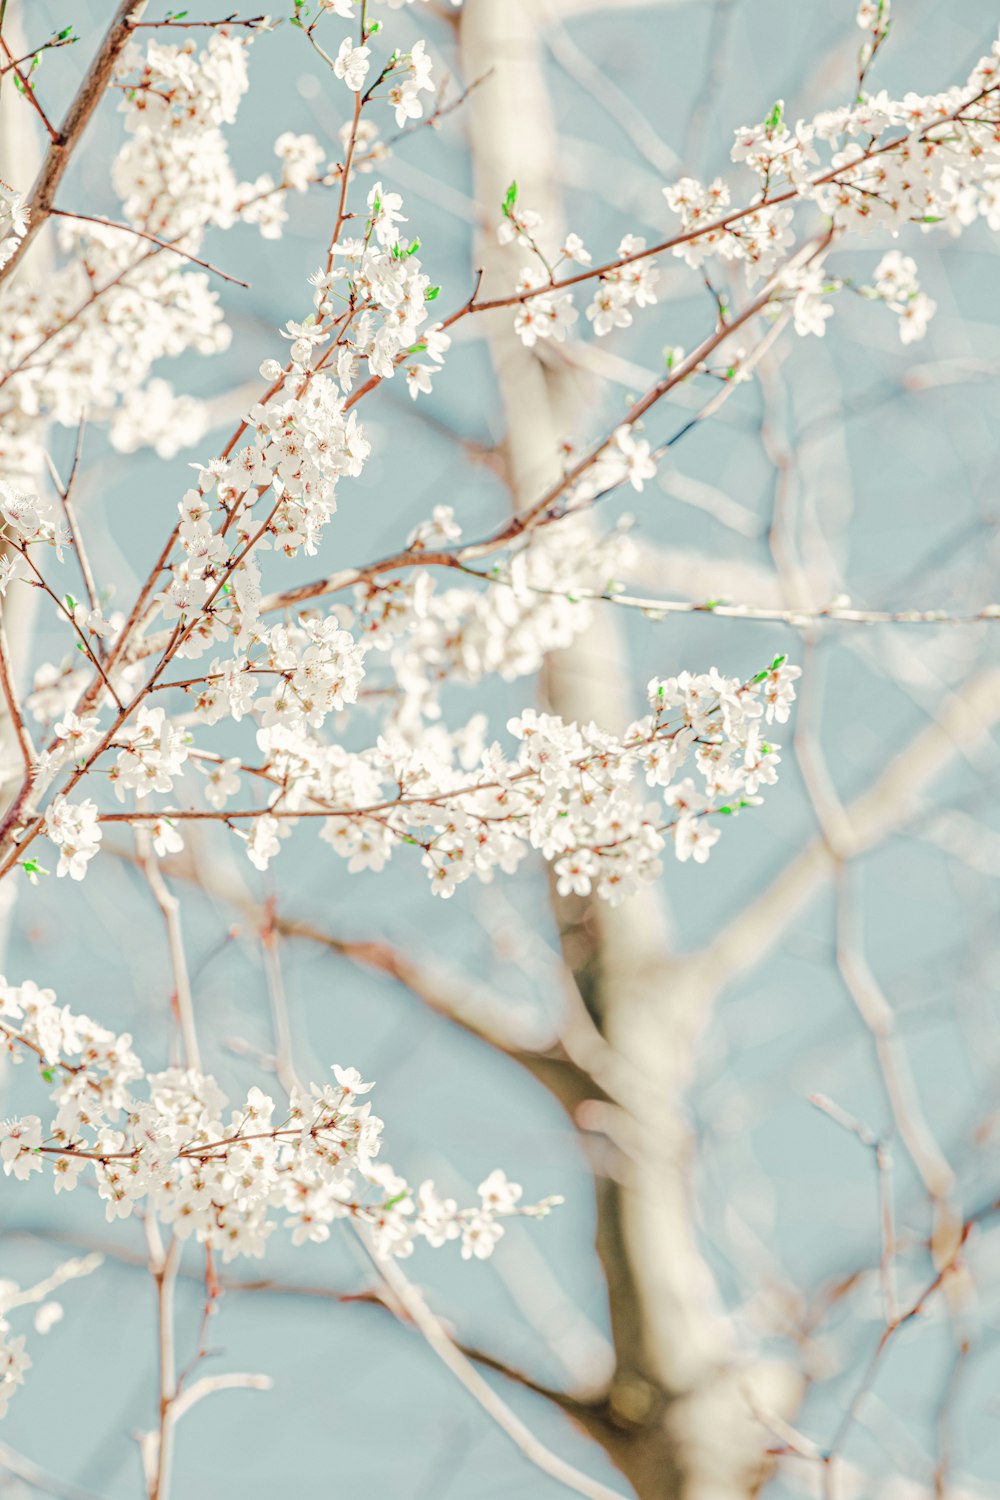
(411, 1304)
(13, 707)
(144, 234)
(170, 909)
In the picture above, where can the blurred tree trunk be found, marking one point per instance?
(676, 1419)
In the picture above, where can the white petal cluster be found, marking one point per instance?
(568, 791)
(74, 829)
(897, 285)
(168, 1144)
(174, 173)
(153, 759)
(13, 222)
(434, 635)
(877, 164)
(96, 354)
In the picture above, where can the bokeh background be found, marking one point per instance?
(874, 465)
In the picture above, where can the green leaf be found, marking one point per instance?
(432, 293)
(510, 200)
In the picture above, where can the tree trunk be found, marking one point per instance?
(677, 1419)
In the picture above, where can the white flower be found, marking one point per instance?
(693, 838)
(351, 64)
(639, 465)
(573, 249)
(20, 511)
(222, 780)
(350, 1080)
(404, 96)
(418, 380)
(166, 837)
(301, 156)
(809, 310)
(19, 1143)
(479, 1237)
(436, 343)
(421, 66)
(499, 1195)
(13, 1363)
(79, 735)
(385, 214)
(13, 221)
(896, 283)
(873, 15)
(76, 832)
(263, 843)
(914, 317)
(609, 308)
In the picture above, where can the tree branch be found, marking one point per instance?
(88, 96)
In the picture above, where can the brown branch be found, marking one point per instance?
(252, 23)
(88, 96)
(144, 234)
(28, 92)
(13, 707)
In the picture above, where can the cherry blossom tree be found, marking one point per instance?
(237, 690)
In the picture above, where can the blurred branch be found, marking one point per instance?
(40, 1479)
(677, 1420)
(410, 1301)
(565, 1064)
(967, 720)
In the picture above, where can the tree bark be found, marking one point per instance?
(676, 1419)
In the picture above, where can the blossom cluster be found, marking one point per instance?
(877, 164)
(897, 285)
(568, 791)
(167, 1143)
(86, 338)
(469, 805)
